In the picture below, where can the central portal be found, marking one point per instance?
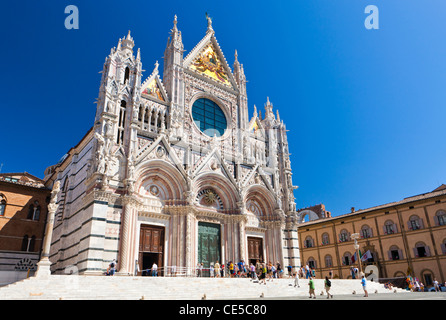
(209, 248)
(151, 244)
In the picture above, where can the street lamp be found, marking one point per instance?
(355, 237)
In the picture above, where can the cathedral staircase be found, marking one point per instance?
(80, 287)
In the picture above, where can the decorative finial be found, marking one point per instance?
(236, 55)
(128, 36)
(156, 66)
(209, 19)
(175, 22)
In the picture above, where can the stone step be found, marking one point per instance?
(104, 288)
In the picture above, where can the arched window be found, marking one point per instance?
(32, 244)
(30, 212)
(366, 232)
(309, 243)
(127, 74)
(36, 216)
(347, 259)
(121, 122)
(325, 239)
(421, 250)
(311, 263)
(390, 227)
(2, 204)
(443, 246)
(328, 261)
(25, 242)
(344, 236)
(415, 223)
(440, 218)
(395, 253)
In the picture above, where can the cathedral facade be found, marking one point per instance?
(174, 171)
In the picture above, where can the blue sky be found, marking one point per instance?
(365, 109)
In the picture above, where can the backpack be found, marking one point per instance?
(328, 283)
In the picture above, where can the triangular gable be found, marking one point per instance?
(208, 161)
(255, 127)
(257, 176)
(208, 60)
(153, 87)
(161, 149)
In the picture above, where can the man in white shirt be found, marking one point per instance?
(154, 270)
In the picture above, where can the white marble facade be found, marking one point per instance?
(146, 162)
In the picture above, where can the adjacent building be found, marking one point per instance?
(406, 237)
(23, 210)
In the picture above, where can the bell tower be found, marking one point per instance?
(119, 93)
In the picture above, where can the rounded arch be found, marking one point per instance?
(225, 192)
(308, 213)
(260, 198)
(158, 178)
(399, 274)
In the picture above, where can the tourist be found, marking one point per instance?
(231, 269)
(217, 269)
(307, 271)
(311, 287)
(296, 279)
(253, 271)
(364, 286)
(269, 271)
(211, 270)
(290, 269)
(279, 270)
(330, 274)
(436, 286)
(263, 274)
(328, 287)
(273, 272)
(199, 269)
(111, 268)
(154, 270)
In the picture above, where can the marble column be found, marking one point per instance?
(43, 266)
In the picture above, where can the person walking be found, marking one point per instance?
(253, 271)
(364, 286)
(328, 287)
(311, 288)
(263, 274)
(436, 286)
(296, 280)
